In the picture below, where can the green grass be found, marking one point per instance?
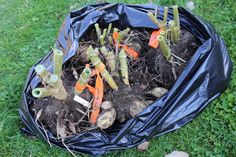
(28, 30)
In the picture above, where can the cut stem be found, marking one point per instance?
(154, 20)
(42, 73)
(40, 92)
(164, 47)
(58, 91)
(172, 26)
(163, 33)
(176, 34)
(124, 66)
(96, 61)
(104, 32)
(53, 80)
(165, 17)
(125, 32)
(110, 40)
(98, 30)
(165, 14)
(102, 40)
(110, 58)
(83, 80)
(109, 29)
(176, 16)
(58, 57)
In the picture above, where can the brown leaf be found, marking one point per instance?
(61, 129)
(143, 146)
(72, 127)
(39, 114)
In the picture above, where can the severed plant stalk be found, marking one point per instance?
(42, 73)
(41, 92)
(176, 34)
(172, 34)
(109, 29)
(115, 30)
(58, 57)
(163, 33)
(165, 17)
(177, 23)
(125, 32)
(165, 14)
(102, 40)
(98, 31)
(154, 20)
(110, 58)
(176, 15)
(164, 47)
(102, 37)
(96, 61)
(124, 66)
(55, 88)
(104, 32)
(83, 80)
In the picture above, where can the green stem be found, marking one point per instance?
(53, 80)
(54, 88)
(84, 78)
(104, 51)
(111, 61)
(110, 40)
(125, 32)
(109, 29)
(163, 33)
(104, 32)
(110, 58)
(58, 57)
(98, 30)
(115, 30)
(165, 14)
(102, 40)
(96, 61)
(124, 66)
(164, 47)
(172, 26)
(176, 34)
(154, 19)
(165, 17)
(40, 92)
(42, 73)
(176, 16)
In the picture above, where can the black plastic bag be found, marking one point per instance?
(205, 77)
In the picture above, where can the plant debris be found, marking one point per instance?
(115, 75)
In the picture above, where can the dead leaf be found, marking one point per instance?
(177, 154)
(72, 127)
(61, 129)
(39, 114)
(143, 146)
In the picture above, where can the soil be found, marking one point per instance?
(149, 71)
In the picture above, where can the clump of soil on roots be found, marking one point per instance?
(149, 71)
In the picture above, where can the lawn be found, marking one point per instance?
(28, 30)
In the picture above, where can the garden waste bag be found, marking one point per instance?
(204, 78)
